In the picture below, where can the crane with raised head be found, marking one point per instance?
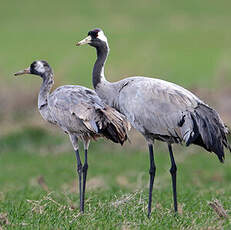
(80, 113)
(159, 110)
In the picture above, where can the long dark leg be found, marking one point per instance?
(85, 167)
(173, 170)
(79, 170)
(152, 173)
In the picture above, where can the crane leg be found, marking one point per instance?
(173, 171)
(152, 172)
(85, 168)
(79, 171)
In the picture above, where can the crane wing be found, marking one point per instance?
(156, 106)
(78, 109)
(73, 107)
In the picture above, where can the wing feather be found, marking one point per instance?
(73, 107)
(166, 102)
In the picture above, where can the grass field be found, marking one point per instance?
(39, 188)
(186, 42)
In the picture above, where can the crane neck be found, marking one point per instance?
(48, 81)
(98, 70)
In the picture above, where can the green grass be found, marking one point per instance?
(117, 186)
(184, 42)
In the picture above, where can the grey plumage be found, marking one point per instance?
(165, 111)
(159, 110)
(76, 109)
(80, 113)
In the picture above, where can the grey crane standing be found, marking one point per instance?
(159, 110)
(80, 113)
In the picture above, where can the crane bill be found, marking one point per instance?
(84, 41)
(25, 71)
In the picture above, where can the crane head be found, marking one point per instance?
(95, 38)
(37, 68)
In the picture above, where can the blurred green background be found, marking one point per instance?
(186, 42)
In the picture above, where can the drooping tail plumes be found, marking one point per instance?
(113, 125)
(208, 131)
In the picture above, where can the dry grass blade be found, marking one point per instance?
(3, 219)
(124, 200)
(36, 206)
(218, 208)
(39, 206)
(180, 209)
(125, 227)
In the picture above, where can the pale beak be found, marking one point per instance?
(25, 71)
(86, 40)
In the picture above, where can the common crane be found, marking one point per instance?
(80, 113)
(159, 110)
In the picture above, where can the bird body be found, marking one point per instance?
(165, 111)
(136, 96)
(159, 110)
(80, 113)
(77, 110)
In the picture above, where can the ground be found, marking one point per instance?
(39, 186)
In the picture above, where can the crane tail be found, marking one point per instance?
(114, 125)
(208, 131)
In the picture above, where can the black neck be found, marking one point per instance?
(98, 70)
